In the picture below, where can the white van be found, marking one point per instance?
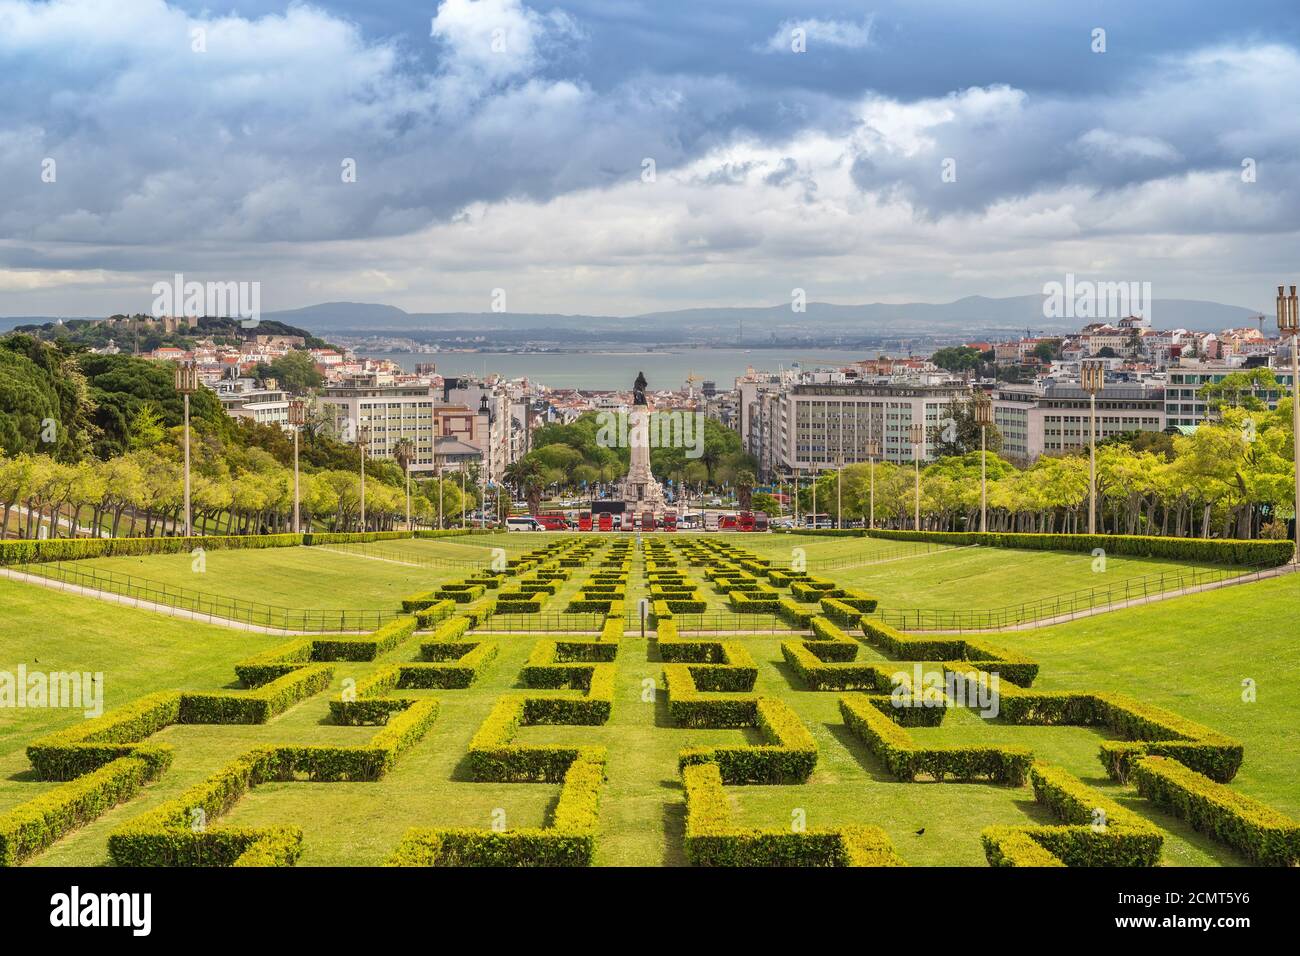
(523, 523)
(711, 521)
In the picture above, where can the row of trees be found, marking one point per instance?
(142, 493)
(1230, 478)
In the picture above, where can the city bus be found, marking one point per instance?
(745, 521)
(606, 521)
(727, 523)
(760, 521)
(647, 521)
(522, 523)
(584, 520)
(552, 521)
(818, 521)
(670, 520)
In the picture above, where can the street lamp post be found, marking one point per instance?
(297, 418)
(873, 452)
(1288, 323)
(916, 432)
(983, 418)
(440, 497)
(839, 491)
(1093, 378)
(187, 383)
(363, 439)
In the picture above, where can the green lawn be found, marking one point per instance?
(315, 577)
(1189, 654)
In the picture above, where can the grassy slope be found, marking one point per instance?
(1189, 654)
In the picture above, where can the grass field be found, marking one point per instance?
(1189, 654)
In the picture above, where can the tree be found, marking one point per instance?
(145, 428)
(960, 358)
(1047, 350)
(745, 488)
(295, 370)
(958, 433)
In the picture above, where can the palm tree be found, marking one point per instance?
(525, 475)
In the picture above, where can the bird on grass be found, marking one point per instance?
(920, 831)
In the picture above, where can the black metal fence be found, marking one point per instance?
(1062, 606)
(215, 607)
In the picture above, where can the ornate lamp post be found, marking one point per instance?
(873, 452)
(363, 439)
(839, 491)
(1093, 378)
(1288, 323)
(187, 383)
(916, 432)
(297, 418)
(983, 418)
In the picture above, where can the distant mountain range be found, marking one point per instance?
(970, 315)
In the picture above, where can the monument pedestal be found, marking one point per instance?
(639, 489)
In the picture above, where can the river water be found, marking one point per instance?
(664, 368)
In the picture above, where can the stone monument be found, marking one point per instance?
(639, 490)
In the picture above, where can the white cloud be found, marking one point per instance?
(841, 34)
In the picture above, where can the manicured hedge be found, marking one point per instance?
(788, 756)
(35, 825)
(894, 746)
(1200, 550)
(712, 839)
(255, 706)
(434, 613)
(1264, 835)
(1016, 668)
(1146, 729)
(570, 840)
(1097, 831)
(364, 648)
(89, 745)
(166, 835)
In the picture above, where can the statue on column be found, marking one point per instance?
(638, 389)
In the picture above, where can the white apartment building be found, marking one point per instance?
(807, 426)
(389, 413)
(1034, 422)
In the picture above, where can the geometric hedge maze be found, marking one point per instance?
(709, 679)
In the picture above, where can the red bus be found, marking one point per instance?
(670, 520)
(760, 521)
(745, 521)
(552, 521)
(647, 521)
(606, 521)
(584, 520)
(727, 523)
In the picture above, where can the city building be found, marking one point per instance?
(789, 425)
(390, 413)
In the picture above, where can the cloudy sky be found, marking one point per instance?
(621, 156)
